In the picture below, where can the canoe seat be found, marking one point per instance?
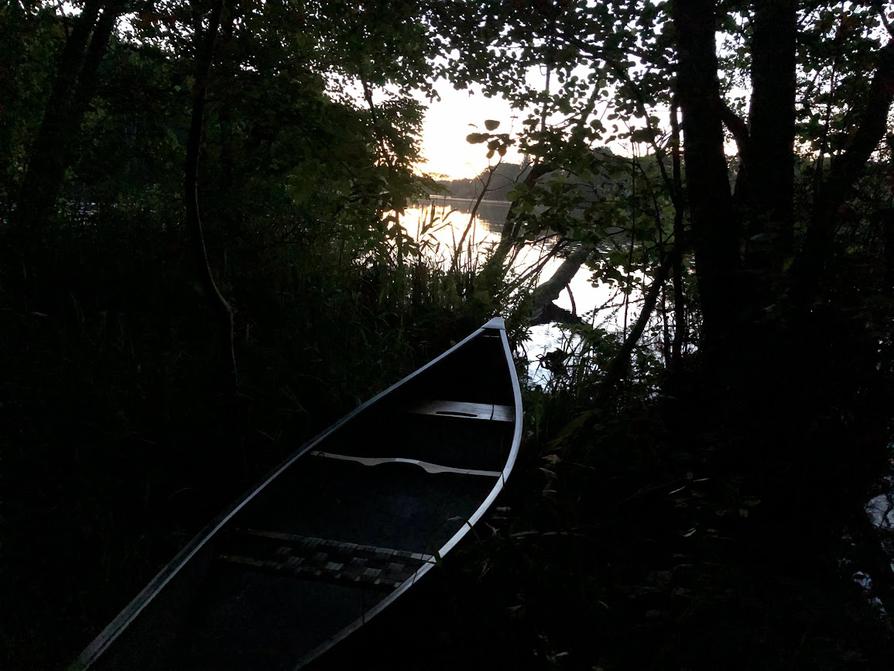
(483, 411)
(321, 558)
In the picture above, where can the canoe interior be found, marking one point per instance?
(332, 537)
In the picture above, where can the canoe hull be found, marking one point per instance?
(337, 532)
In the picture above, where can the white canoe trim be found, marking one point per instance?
(426, 466)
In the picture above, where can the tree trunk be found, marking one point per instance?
(715, 235)
(542, 308)
(679, 244)
(69, 98)
(204, 55)
(493, 270)
(887, 222)
(770, 169)
(229, 207)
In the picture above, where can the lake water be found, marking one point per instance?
(439, 224)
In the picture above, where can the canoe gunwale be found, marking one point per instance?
(98, 646)
(496, 323)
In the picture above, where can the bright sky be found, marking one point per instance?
(459, 113)
(447, 123)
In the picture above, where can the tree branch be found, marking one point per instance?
(617, 366)
(737, 127)
(843, 175)
(715, 230)
(544, 295)
(493, 267)
(880, 7)
(485, 187)
(619, 363)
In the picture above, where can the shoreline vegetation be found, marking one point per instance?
(436, 197)
(202, 264)
(506, 177)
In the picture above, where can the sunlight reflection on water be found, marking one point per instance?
(439, 226)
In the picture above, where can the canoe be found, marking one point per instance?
(339, 530)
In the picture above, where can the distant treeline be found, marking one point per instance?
(606, 171)
(505, 177)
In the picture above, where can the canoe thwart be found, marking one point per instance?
(426, 466)
(462, 410)
(312, 558)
